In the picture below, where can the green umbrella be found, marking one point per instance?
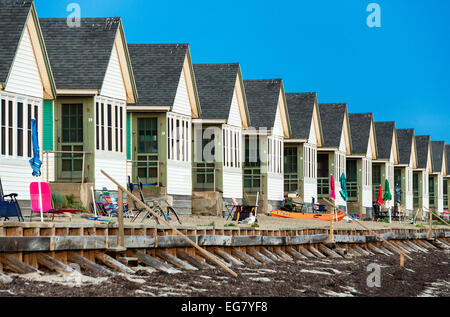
(343, 192)
(387, 193)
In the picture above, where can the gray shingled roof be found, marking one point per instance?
(13, 16)
(422, 145)
(437, 153)
(262, 100)
(447, 155)
(332, 116)
(157, 69)
(384, 132)
(300, 108)
(79, 56)
(360, 131)
(215, 85)
(404, 139)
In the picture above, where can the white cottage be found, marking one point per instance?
(331, 156)
(160, 122)
(300, 151)
(94, 82)
(264, 141)
(421, 174)
(26, 85)
(437, 176)
(218, 153)
(403, 171)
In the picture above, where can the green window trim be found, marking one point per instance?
(128, 136)
(48, 126)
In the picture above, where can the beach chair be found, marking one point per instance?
(47, 205)
(230, 208)
(9, 208)
(155, 203)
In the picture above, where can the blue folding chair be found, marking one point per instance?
(9, 208)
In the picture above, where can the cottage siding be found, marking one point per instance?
(115, 164)
(24, 76)
(342, 147)
(234, 117)
(367, 189)
(310, 190)
(278, 126)
(179, 173)
(181, 104)
(312, 134)
(113, 84)
(440, 194)
(179, 178)
(425, 193)
(275, 186)
(232, 183)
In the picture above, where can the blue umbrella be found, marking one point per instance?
(35, 161)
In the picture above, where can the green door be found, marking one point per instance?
(71, 140)
(146, 158)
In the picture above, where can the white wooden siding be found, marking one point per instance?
(312, 134)
(440, 194)
(425, 190)
(115, 164)
(339, 201)
(278, 126)
(181, 103)
(234, 117)
(179, 178)
(24, 77)
(113, 84)
(342, 147)
(275, 187)
(232, 183)
(310, 190)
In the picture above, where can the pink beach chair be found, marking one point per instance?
(47, 205)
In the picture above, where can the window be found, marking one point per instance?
(16, 113)
(10, 127)
(109, 125)
(376, 175)
(179, 136)
(275, 155)
(3, 126)
(20, 129)
(110, 138)
(231, 147)
(310, 161)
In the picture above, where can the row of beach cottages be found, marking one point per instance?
(199, 133)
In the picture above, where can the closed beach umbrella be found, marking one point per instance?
(35, 161)
(387, 192)
(380, 197)
(333, 192)
(343, 190)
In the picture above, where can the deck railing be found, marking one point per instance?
(253, 183)
(291, 182)
(68, 166)
(352, 190)
(323, 186)
(148, 171)
(204, 177)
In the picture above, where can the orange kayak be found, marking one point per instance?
(311, 216)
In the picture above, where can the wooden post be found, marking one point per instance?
(82, 168)
(157, 174)
(330, 235)
(402, 260)
(195, 245)
(121, 236)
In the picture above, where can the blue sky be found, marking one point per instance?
(400, 71)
